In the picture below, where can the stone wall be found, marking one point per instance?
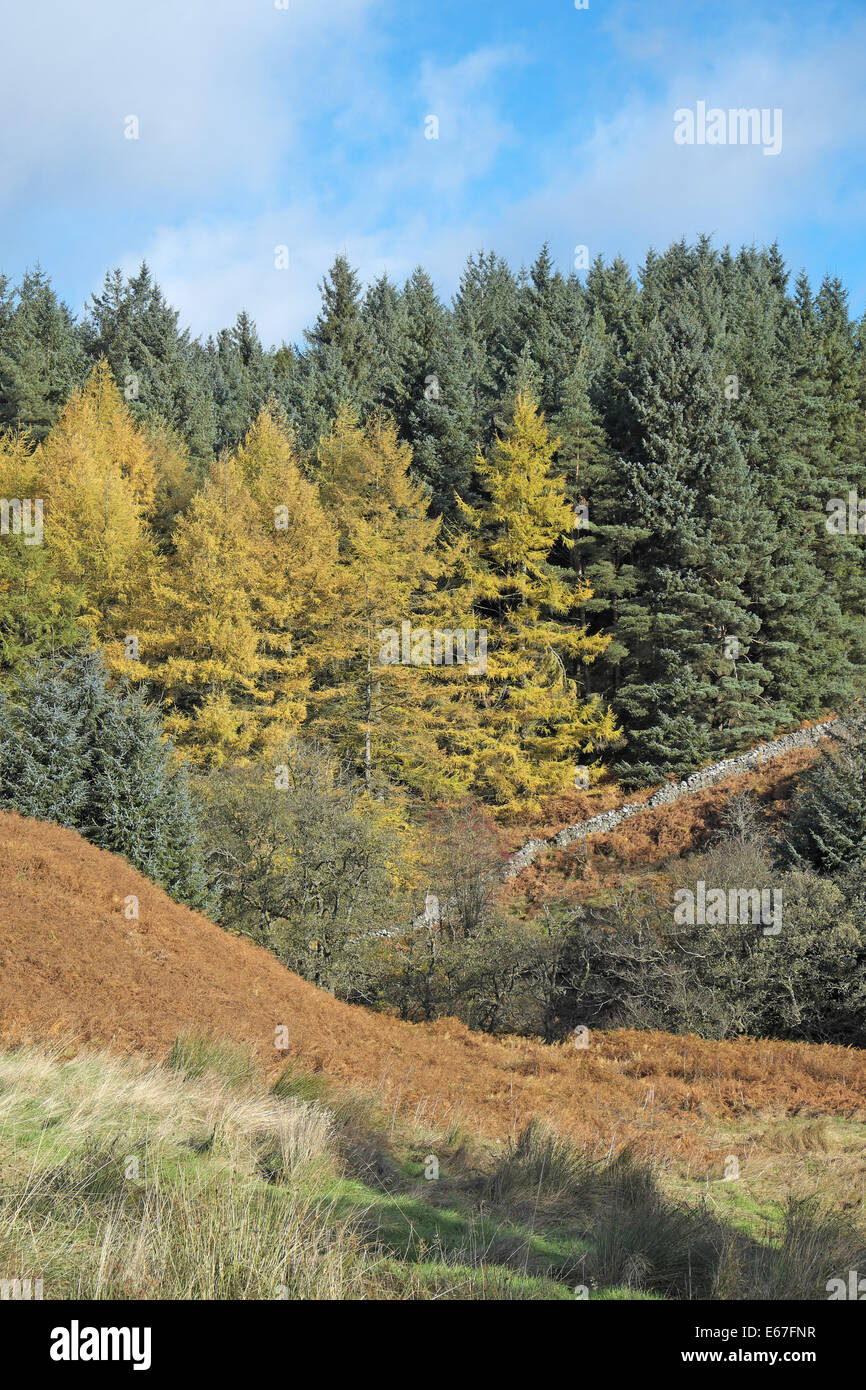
(671, 791)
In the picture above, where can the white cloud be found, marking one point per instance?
(626, 185)
(262, 127)
(220, 89)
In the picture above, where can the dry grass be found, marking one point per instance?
(124, 1180)
(128, 1105)
(120, 1179)
(812, 1136)
(72, 965)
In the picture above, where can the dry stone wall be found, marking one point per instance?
(671, 791)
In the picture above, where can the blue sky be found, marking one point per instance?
(304, 127)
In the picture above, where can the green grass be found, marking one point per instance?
(195, 1055)
(120, 1179)
(794, 1157)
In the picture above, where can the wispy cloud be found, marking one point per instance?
(305, 127)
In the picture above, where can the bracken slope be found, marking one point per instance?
(74, 967)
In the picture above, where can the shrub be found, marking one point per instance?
(308, 869)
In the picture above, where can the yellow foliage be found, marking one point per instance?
(96, 473)
(535, 729)
(391, 719)
(244, 603)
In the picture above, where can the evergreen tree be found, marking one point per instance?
(611, 298)
(485, 307)
(425, 323)
(161, 372)
(840, 553)
(75, 750)
(243, 380)
(46, 744)
(827, 828)
(606, 532)
(339, 323)
(441, 422)
(548, 325)
(6, 304)
(692, 685)
(774, 406)
(40, 358)
(338, 365)
(386, 323)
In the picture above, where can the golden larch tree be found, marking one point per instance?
(535, 729)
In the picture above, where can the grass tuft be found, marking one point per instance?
(194, 1055)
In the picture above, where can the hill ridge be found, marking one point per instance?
(73, 965)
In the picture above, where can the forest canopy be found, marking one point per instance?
(624, 482)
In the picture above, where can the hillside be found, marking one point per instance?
(643, 845)
(73, 966)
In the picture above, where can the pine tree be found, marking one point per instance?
(243, 380)
(606, 533)
(386, 323)
(840, 555)
(45, 753)
(692, 685)
(163, 375)
(611, 297)
(485, 307)
(137, 805)
(338, 365)
(441, 422)
(548, 325)
(40, 358)
(339, 322)
(775, 410)
(425, 323)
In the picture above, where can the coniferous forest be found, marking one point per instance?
(645, 491)
(312, 629)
